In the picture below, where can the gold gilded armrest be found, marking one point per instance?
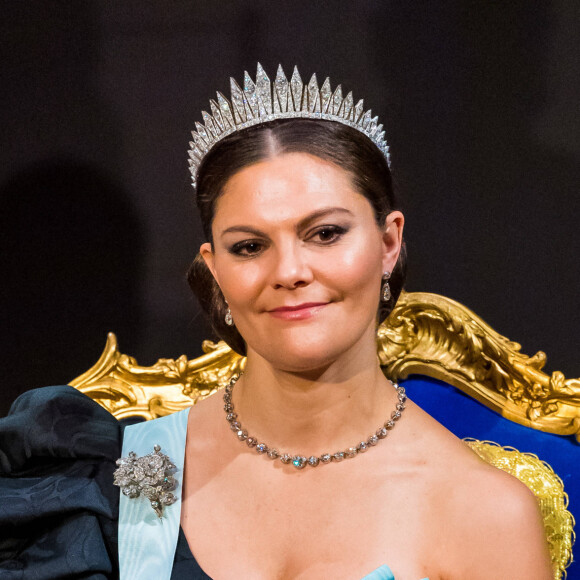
(548, 488)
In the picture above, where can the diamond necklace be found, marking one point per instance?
(300, 461)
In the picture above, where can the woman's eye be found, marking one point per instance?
(328, 234)
(246, 248)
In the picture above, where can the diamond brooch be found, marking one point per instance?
(150, 475)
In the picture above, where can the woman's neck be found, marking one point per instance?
(315, 411)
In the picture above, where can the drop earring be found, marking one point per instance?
(386, 289)
(228, 317)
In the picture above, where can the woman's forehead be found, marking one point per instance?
(285, 187)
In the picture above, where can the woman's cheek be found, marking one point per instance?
(238, 280)
(357, 267)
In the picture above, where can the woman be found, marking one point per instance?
(303, 259)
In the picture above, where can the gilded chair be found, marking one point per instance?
(473, 380)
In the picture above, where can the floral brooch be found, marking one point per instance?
(150, 475)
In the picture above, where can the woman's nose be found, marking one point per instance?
(291, 268)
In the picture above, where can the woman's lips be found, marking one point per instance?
(298, 312)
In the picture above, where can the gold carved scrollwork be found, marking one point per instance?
(432, 335)
(127, 389)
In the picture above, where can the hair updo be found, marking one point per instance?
(331, 141)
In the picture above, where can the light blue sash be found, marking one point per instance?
(146, 543)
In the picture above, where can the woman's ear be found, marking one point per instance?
(392, 239)
(206, 252)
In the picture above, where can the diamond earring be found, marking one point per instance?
(386, 289)
(228, 317)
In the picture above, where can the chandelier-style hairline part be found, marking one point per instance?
(263, 101)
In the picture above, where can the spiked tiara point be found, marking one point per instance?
(263, 101)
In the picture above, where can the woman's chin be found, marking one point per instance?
(300, 349)
(300, 358)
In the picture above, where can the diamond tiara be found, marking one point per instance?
(262, 101)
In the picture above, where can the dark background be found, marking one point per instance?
(97, 227)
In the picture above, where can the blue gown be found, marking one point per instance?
(58, 508)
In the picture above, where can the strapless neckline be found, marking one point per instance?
(186, 566)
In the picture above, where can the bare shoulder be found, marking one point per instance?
(209, 405)
(499, 525)
(485, 523)
(494, 520)
(204, 418)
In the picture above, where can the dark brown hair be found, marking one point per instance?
(346, 147)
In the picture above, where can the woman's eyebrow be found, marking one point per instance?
(243, 229)
(316, 215)
(302, 224)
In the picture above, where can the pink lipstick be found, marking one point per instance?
(298, 311)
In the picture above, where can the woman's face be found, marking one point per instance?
(299, 258)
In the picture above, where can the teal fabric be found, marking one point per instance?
(58, 509)
(184, 564)
(382, 573)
